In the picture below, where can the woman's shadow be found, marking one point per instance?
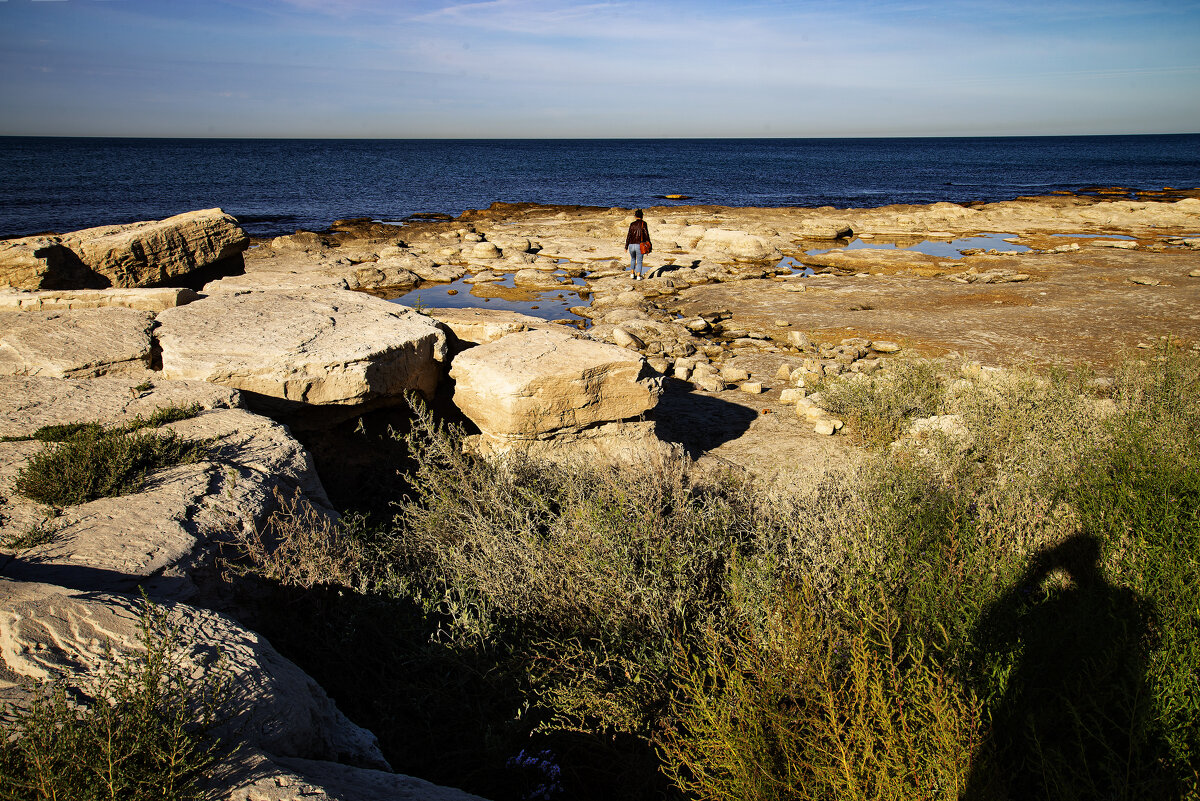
(1063, 664)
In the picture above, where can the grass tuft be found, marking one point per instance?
(85, 461)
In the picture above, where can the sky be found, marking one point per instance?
(541, 69)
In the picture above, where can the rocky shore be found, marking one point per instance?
(713, 355)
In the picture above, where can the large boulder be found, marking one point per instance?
(139, 254)
(163, 537)
(541, 384)
(75, 343)
(43, 262)
(155, 252)
(315, 347)
(736, 245)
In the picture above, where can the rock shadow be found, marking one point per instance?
(698, 422)
(1068, 661)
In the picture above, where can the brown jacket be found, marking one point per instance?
(638, 233)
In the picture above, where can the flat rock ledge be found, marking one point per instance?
(539, 386)
(161, 538)
(75, 343)
(139, 254)
(319, 347)
(154, 299)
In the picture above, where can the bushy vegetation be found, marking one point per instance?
(84, 461)
(137, 732)
(1009, 614)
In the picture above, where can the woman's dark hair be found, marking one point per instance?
(638, 214)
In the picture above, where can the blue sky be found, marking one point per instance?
(528, 68)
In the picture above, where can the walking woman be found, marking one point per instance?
(637, 242)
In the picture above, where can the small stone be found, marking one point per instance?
(626, 340)
(659, 365)
(484, 250)
(885, 347)
(1194, 274)
(798, 339)
(784, 373)
(825, 427)
(751, 387)
(698, 325)
(790, 395)
(782, 324)
(683, 372)
(866, 366)
(733, 375)
(1144, 280)
(707, 382)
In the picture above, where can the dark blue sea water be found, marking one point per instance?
(277, 186)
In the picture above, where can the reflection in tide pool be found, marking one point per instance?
(951, 249)
(1095, 236)
(551, 304)
(789, 263)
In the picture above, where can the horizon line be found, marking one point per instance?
(581, 138)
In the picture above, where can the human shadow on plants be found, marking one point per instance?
(1065, 667)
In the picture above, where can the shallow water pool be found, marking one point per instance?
(951, 249)
(551, 304)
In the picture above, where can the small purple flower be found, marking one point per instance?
(546, 774)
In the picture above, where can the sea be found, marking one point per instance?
(276, 186)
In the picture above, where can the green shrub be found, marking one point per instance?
(816, 707)
(580, 576)
(92, 463)
(580, 604)
(878, 410)
(1139, 493)
(142, 735)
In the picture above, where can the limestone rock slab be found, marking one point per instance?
(28, 403)
(163, 537)
(49, 632)
(75, 343)
(42, 262)
(736, 245)
(150, 299)
(538, 384)
(308, 346)
(258, 777)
